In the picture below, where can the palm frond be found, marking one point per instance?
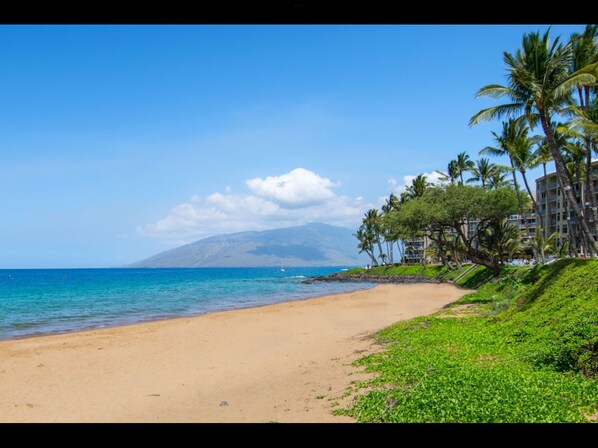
(493, 91)
(575, 80)
(496, 112)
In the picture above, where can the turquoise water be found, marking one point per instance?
(43, 301)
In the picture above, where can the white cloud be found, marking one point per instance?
(396, 188)
(298, 188)
(294, 198)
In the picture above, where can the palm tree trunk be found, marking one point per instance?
(380, 251)
(400, 251)
(371, 255)
(571, 232)
(538, 212)
(565, 182)
(545, 202)
(590, 188)
(520, 200)
(531, 196)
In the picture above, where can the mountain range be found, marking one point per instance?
(313, 244)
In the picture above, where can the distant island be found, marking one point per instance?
(313, 244)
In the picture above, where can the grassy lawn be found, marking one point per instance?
(525, 350)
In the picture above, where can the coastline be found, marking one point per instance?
(174, 317)
(286, 362)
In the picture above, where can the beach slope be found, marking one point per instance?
(288, 362)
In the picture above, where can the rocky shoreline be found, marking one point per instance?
(362, 277)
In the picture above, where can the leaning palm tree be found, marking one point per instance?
(373, 221)
(366, 243)
(539, 86)
(464, 163)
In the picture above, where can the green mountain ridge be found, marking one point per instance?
(313, 244)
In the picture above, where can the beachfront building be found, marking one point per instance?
(526, 225)
(553, 206)
(415, 250)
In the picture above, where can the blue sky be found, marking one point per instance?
(118, 142)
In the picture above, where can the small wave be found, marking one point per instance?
(297, 276)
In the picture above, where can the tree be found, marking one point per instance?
(387, 230)
(544, 244)
(417, 188)
(584, 48)
(506, 143)
(366, 242)
(373, 221)
(452, 173)
(542, 156)
(463, 164)
(440, 214)
(523, 158)
(539, 86)
(498, 178)
(481, 171)
(500, 242)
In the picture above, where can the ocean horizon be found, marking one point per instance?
(36, 302)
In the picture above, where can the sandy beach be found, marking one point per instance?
(288, 362)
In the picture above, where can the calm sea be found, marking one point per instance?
(43, 301)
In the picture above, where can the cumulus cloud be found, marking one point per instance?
(398, 188)
(298, 188)
(298, 197)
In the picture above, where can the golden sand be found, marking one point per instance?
(288, 362)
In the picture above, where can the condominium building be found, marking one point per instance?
(526, 225)
(555, 216)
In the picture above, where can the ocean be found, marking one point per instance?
(46, 301)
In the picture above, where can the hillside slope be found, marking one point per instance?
(522, 348)
(309, 245)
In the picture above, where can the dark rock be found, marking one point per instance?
(223, 403)
(363, 277)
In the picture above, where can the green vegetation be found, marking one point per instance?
(429, 271)
(471, 276)
(522, 348)
(552, 88)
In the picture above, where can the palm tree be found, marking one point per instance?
(481, 171)
(544, 244)
(498, 179)
(524, 158)
(373, 220)
(500, 242)
(452, 173)
(539, 86)
(505, 142)
(542, 156)
(417, 188)
(584, 49)
(366, 243)
(387, 230)
(393, 201)
(464, 164)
